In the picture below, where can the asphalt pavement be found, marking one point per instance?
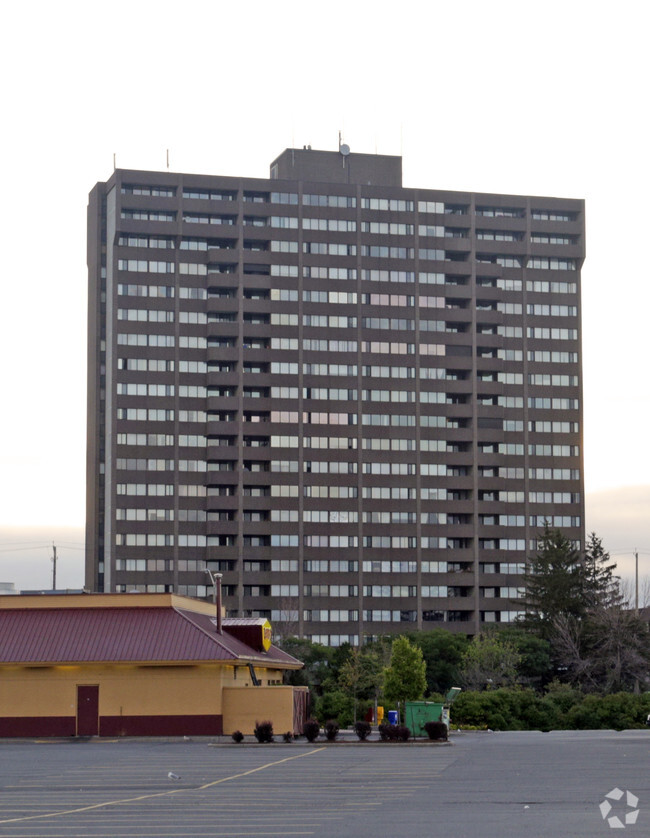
(569, 783)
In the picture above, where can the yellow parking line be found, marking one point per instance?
(160, 793)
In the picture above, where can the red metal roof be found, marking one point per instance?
(274, 655)
(104, 634)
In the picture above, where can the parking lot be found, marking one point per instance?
(518, 784)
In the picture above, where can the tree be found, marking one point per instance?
(334, 705)
(598, 644)
(489, 661)
(535, 667)
(361, 675)
(316, 659)
(601, 586)
(405, 677)
(442, 651)
(287, 623)
(554, 584)
(607, 651)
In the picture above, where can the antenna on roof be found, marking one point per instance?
(344, 150)
(53, 560)
(167, 159)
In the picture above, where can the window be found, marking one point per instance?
(390, 299)
(283, 197)
(386, 252)
(193, 342)
(145, 266)
(325, 248)
(333, 225)
(337, 201)
(387, 228)
(431, 207)
(390, 276)
(147, 215)
(205, 218)
(544, 263)
(151, 191)
(164, 291)
(552, 215)
(500, 212)
(209, 194)
(284, 246)
(284, 294)
(552, 310)
(286, 222)
(394, 204)
(276, 319)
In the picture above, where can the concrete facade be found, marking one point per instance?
(357, 401)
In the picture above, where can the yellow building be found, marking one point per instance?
(138, 665)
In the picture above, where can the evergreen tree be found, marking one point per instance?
(601, 586)
(575, 603)
(554, 584)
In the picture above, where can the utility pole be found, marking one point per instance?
(53, 567)
(636, 582)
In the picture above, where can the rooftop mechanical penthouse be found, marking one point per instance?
(359, 402)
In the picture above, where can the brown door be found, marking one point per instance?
(87, 710)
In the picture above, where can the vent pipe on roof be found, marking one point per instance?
(217, 599)
(215, 578)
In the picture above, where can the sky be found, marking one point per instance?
(511, 97)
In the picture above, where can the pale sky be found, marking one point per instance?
(547, 99)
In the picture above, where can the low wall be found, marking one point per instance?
(243, 707)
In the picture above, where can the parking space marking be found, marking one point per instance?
(167, 793)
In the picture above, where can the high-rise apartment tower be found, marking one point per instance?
(358, 402)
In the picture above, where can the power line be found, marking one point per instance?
(37, 543)
(19, 549)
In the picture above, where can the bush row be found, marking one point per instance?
(387, 733)
(560, 708)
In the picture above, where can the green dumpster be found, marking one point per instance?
(418, 713)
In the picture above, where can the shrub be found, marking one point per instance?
(436, 730)
(334, 704)
(288, 736)
(237, 736)
(263, 731)
(402, 733)
(362, 729)
(623, 711)
(563, 696)
(386, 733)
(394, 733)
(331, 730)
(561, 708)
(311, 730)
